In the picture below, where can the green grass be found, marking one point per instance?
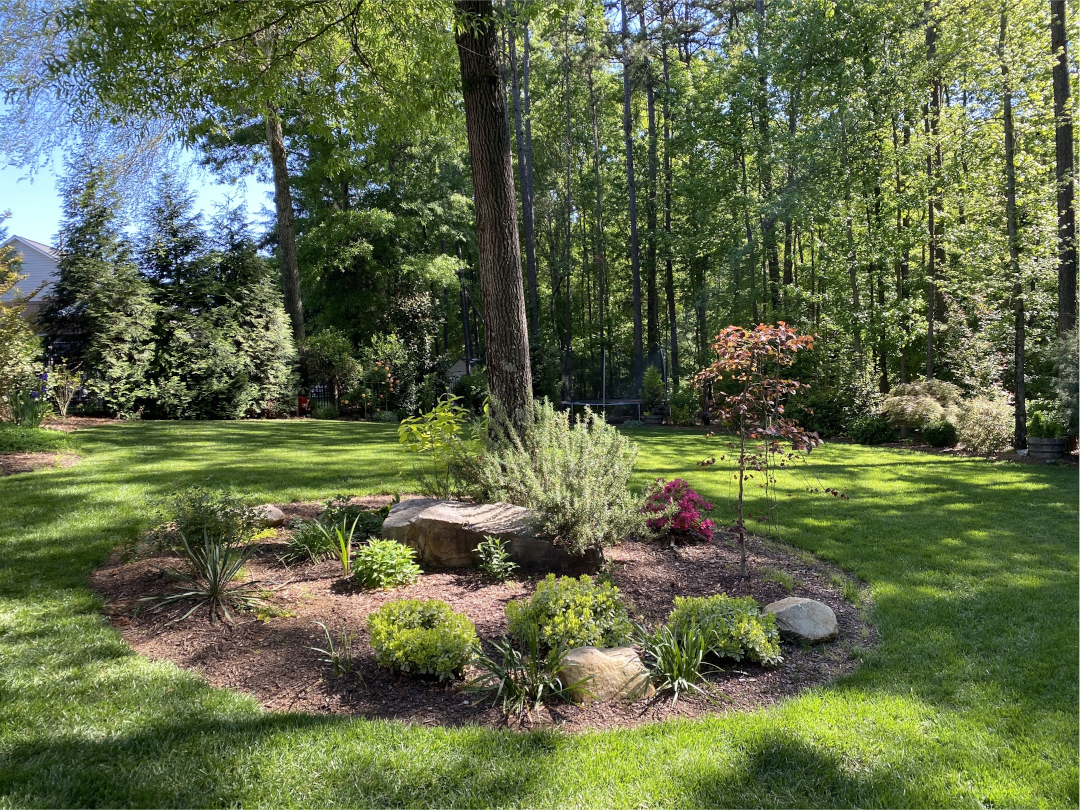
(969, 700)
(17, 439)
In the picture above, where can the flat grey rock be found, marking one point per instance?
(804, 620)
(445, 535)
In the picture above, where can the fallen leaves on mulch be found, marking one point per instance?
(272, 660)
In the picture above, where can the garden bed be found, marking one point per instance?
(268, 655)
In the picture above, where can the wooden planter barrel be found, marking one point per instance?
(1046, 449)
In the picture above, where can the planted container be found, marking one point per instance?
(1045, 449)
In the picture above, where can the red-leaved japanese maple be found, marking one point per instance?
(748, 365)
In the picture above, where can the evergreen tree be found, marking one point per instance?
(100, 312)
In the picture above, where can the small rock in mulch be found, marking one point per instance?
(269, 654)
(802, 620)
(269, 516)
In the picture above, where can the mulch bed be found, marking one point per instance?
(270, 657)
(11, 463)
(73, 423)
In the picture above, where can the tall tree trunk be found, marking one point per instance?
(903, 261)
(501, 287)
(935, 301)
(600, 257)
(568, 358)
(524, 152)
(290, 270)
(652, 304)
(1020, 409)
(1065, 171)
(768, 220)
(635, 264)
(669, 269)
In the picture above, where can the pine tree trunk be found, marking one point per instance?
(600, 257)
(768, 220)
(290, 271)
(568, 356)
(524, 157)
(1019, 410)
(652, 303)
(669, 270)
(1065, 171)
(501, 287)
(935, 302)
(631, 188)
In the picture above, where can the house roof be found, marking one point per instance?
(30, 243)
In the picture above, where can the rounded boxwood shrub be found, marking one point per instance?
(872, 430)
(566, 613)
(422, 638)
(734, 628)
(385, 564)
(941, 433)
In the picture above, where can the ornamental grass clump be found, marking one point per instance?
(574, 475)
(422, 638)
(567, 613)
(674, 509)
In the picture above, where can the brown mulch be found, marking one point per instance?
(73, 423)
(269, 657)
(11, 463)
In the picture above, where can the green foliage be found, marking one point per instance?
(521, 679)
(18, 343)
(633, 423)
(325, 411)
(943, 393)
(339, 508)
(338, 654)
(872, 430)
(675, 659)
(422, 638)
(1041, 425)
(652, 389)
(472, 390)
(574, 476)
(941, 433)
(64, 382)
(985, 425)
(685, 404)
(734, 628)
(329, 356)
(568, 613)
(19, 439)
(385, 564)
(1067, 380)
(438, 436)
(27, 404)
(213, 565)
(827, 413)
(494, 560)
(308, 542)
(339, 538)
(387, 417)
(195, 511)
(915, 412)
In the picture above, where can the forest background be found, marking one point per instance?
(894, 177)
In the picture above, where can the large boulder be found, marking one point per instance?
(445, 535)
(614, 673)
(804, 620)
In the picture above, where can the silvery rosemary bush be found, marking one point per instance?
(573, 474)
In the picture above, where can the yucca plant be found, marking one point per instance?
(676, 659)
(522, 679)
(338, 655)
(213, 565)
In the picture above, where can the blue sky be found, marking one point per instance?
(35, 203)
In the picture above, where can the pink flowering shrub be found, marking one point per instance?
(678, 509)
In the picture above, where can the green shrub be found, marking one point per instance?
(390, 417)
(945, 394)
(912, 412)
(941, 433)
(385, 564)
(422, 638)
(735, 628)
(568, 613)
(685, 404)
(574, 476)
(1042, 425)
(368, 521)
(633, 423)
(195, 510)
(985, 425)
(823, 412)
(19, 439)
(652, 389)
(325, 411)
(439, 437)
(494, 560)
(872, 430)
(473, 390)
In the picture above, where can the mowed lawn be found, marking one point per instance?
(969, 700)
